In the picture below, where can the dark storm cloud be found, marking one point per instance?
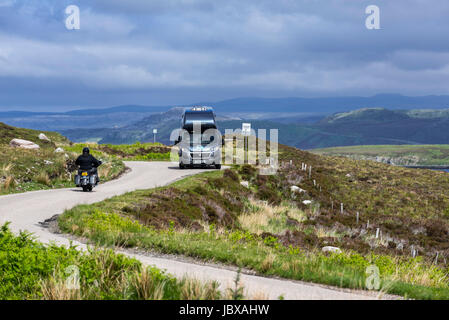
(175, 51)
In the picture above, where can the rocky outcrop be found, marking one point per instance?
(410, 160)
(331, 249)
(297, 189)
(43, 137)
(24, 144)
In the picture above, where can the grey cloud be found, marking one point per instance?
(156, 51)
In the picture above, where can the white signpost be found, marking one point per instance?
(246, 129)
(154, 133)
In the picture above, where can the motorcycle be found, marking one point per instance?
(87, 179)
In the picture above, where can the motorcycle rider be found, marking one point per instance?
(87, 162)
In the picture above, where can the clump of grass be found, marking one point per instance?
(260, 217)
(146, 286)
(10, 183)
(267, 263)
(193, 289)
(6, 169)
(104, 170)
(43, 178)
(55, 288)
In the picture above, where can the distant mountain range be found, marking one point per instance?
(330, 105)
(302, 122)
(365, 126)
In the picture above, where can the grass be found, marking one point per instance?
(424, 155)
(412, 278)
(270, 232)
(28, 170)
(134, 152)
(24, 170)
(32, 270)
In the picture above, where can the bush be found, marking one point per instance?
(247, 172)
(268, 194)
(228, 173)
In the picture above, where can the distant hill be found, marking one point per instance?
(331, 104)
(409, 155)
(302, 122)
(373, 126)
(83, 118)
(402, 126)
(285, 110)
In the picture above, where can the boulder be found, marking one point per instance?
(297, 189)
(25, 144)
(43, 137)
(245, 184)
(331, 249)
(307, 202)
(47, 162)
(59, 149)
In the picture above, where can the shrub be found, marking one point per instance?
(228, 173)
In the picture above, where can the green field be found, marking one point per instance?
(421, 155)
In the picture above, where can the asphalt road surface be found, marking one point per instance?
(26, 210)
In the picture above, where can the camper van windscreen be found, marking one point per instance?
(203, 117)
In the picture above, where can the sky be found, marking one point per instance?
(169, 52)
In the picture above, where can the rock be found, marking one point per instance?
(48, 162)
(25, 144)
(59, 149)
(43, 137)
(307, 202)
(245, 184)
(331, 249)
(297, 189)
(348, 175)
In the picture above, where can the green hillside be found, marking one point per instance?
(272, 230)
(36, 169)
(418, 155)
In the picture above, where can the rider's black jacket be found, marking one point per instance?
(87, 162)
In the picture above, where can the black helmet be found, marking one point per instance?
(86, 150)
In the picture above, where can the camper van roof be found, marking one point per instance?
(200, 108)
